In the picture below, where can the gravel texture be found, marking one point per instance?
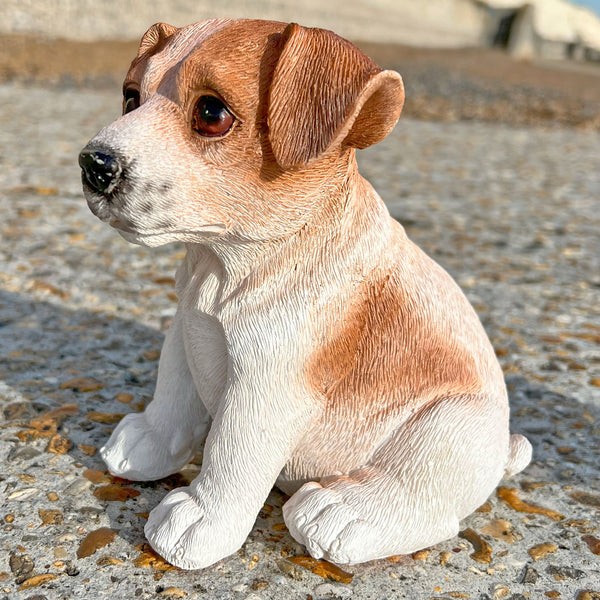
(512, 213)
(449, 84)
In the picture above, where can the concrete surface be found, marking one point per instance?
(512, 213)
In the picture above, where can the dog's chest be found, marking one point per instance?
(206, 353)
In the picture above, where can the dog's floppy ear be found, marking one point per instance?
(326, 92)
(154, 39)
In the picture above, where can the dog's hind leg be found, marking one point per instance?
(158, 442)
(436, 468)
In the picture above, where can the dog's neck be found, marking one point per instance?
(352, 215)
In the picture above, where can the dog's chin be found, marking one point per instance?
(159, 238)
(151, 240)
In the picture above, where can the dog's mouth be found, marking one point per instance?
(109, 208)
(121, 226)
(96, 203)
(105, 211)
(102, 209)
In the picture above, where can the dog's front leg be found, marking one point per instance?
(251, 438)
(153, 444)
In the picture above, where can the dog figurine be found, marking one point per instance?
(314, 347)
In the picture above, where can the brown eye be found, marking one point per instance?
(131, 100)
(211, 118)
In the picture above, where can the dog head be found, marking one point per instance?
(235, 130)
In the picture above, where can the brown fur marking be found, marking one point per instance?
(391, 347)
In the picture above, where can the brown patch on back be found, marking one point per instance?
(392, 348)
(337, 359)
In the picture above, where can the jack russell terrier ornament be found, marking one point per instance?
(314, 347)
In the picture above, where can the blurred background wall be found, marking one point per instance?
(528, 28)
(434, 23)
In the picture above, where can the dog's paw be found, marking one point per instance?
(331, 523)
(188, 536)
(139, 452)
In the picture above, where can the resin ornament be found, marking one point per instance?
(314, 347)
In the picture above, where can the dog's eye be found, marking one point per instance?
(131, 100)
(211, 118)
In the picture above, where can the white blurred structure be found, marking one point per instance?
(543, 28)
(526, 28)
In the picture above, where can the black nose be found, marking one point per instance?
(100, 171)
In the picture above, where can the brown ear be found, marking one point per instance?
(326, 92)
(154, 39)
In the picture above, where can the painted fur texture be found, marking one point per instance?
(315, 347)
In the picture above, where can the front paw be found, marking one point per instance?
(139, 452)
(188, 535)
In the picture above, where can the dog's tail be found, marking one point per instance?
(519, 455)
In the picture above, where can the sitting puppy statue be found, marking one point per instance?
(314, 347)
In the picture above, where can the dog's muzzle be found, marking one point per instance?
(100, 171)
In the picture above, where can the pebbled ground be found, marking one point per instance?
(512, 213)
